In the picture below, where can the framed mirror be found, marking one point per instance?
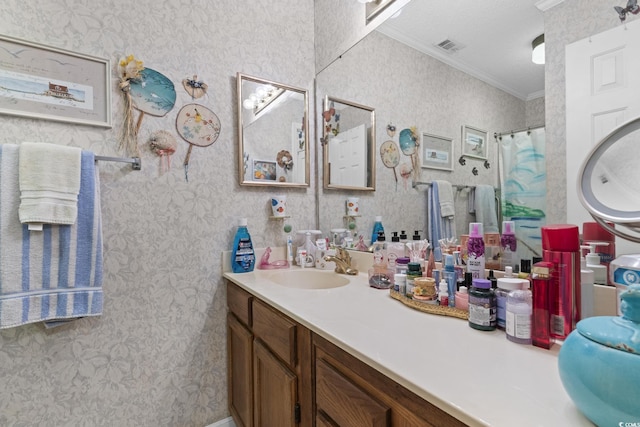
(273, 142)
(348, 138)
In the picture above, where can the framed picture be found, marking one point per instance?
(437, 152)
(54, 84)
(264, 170)
(375, 7)
(474, 142)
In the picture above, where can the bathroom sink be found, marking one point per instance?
(308, 279)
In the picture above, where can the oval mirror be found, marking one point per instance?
(272, 133)
(608, 180)
(348, 139)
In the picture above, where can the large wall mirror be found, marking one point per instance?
(272, 130)
(348, 138)
(411, 90)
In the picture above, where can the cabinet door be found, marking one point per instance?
(346, 403)
(240, 372)
(275, 390)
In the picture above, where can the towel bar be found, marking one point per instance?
(136, 164)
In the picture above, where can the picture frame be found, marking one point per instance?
(264, 170)
(375, 8)
(474, 143)
(44, 82)
(437, 152)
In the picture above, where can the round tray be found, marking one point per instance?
(429, 308)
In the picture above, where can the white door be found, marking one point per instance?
(603, 91)
(348, 157)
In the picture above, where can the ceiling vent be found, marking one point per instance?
(450, 46)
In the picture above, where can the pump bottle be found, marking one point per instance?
(508, 243)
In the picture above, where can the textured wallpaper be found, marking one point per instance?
(408, 88)
(157, 357)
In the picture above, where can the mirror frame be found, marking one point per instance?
(241, 77)
(371, 147)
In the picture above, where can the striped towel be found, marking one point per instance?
(53, 274)
(439, 227)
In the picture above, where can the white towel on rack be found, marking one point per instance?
(53, 275)
(485, 206)
(49, 177)
(438, 227)
(445, 194)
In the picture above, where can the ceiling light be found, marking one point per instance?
(537, 54)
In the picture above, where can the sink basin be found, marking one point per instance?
(308, 279)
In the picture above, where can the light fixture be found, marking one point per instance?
(365, 1)
(537, 54)
(261, 98)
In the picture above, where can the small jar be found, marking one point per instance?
(425, 290)
(462, 299)
(506, 285)
(402, 265)
(400, 283)
(414, 270)
(482, 306)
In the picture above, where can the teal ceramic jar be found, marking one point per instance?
(599, 365)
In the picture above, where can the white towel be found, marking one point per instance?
(56, 274)
(445, 193)
(49, 177)
(485, 205)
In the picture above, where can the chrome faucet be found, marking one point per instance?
(343, 262)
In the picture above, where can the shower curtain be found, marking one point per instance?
(523, 180)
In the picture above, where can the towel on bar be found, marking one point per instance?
(438, 227)
(472, 201)
(56, 273)
(445, 194)
(485, 206)
(49, 177)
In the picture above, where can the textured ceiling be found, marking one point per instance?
(496, 36)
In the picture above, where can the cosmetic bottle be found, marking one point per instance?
(482, 306)
(508, 272)
(290, 250)
(243, 257)
(561, 246)
(414, 270)
(443, 293)
(586, 290)
(504, 287)
(380, 253)
(462, 299)
(475, 251)
(541, 292)
(310, 258)
(449, 275)
(592, 232)
(592, 261)
(519, 310)
(457, 266)
(509, 244)
(377, 228)
(395, 250)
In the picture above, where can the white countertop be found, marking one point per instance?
(478, 377)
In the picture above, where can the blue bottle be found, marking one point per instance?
(377, 227)
(449, 276)
(243, 257)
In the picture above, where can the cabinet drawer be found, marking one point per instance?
(344, 402)
(276, 330)
(239, 302)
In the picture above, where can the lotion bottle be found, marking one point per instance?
(475, 251)
(592, 260)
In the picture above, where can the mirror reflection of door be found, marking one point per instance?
(348, 157)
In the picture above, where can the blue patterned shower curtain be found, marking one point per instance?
(523, 180)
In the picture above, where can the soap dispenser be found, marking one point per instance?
(593, 263)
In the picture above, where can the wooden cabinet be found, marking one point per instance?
(281, 374)
(351, 393)
(269, 364)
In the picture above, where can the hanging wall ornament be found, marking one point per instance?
(632, 7)
(199, 126)
(129, 69)
(194, 87)
(153, 94)
(390, 155)
(391, 130)
(405, 173)
(285, 160)
(164, 145)
(409, 144)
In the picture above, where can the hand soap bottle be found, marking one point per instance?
(243, 258)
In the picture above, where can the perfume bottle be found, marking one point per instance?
(541, 316)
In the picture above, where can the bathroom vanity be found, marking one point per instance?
(335, 352)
